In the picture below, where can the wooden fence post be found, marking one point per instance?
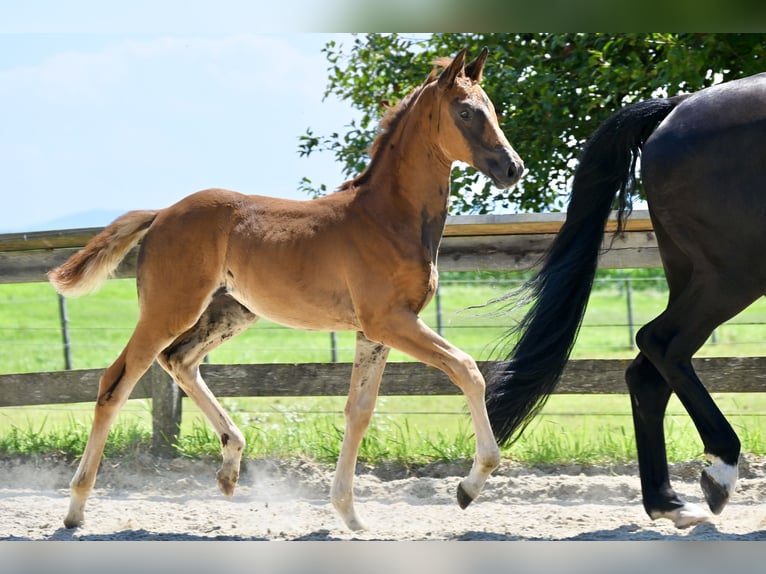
(64, 319)
(166, 412)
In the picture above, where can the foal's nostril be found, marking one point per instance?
(516, 170)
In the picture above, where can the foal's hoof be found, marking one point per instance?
(72, 522)
(354, 524)
(227, 484)
(463, 498)
(717, 495)
(75, 516)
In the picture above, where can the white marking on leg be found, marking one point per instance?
(416, 339)
(114, 389)
(342, 498)
(725, 475)
(684, 517)
(487, 456)
(369, 362)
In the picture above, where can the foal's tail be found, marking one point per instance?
(87, 269)
(519, 388)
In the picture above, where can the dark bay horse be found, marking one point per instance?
(361, 259)
(703, 167)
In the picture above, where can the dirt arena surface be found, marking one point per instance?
(146, 499)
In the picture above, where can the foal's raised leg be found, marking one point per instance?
(406, 332)
(223, 319)
(115, 387)
(369, 363)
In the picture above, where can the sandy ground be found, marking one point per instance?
(145, 499)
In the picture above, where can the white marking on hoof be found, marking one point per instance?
(345, 508)
(718, 482)
(684, 517)
(76, 515)
(342, 498)
(471, 486)
(354, 523)
(725, 475)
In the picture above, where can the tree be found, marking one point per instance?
(550, 90)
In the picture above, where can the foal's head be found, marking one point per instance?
(466, 124)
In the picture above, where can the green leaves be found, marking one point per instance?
(551, 91)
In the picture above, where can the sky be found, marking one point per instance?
(105, 120)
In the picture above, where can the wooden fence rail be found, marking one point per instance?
(584, 376)
(471, 243)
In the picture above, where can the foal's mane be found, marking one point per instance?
(390, 122)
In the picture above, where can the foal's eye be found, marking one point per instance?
(465, 114)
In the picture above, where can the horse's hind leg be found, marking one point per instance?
(649, 395)
(115, 387)
(669, 341)
(366, 374)
(223, 319)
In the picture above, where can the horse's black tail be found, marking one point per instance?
(518, 388)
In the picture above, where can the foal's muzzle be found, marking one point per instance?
(504, 167)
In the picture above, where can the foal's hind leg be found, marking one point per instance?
(649, 395)
(115, 387)
(369, 363)
(223, 319)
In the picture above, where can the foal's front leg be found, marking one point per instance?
(409, 334)
(366, 374)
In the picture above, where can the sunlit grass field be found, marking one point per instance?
(585, 429)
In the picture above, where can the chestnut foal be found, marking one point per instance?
(361, 259)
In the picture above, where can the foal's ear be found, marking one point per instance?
(447, 78)
(475, 68)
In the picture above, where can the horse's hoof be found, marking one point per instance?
(463, 498)
(684, 516)
(717, 495)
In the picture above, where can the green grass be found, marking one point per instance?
(408, 430)
(581, 429)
